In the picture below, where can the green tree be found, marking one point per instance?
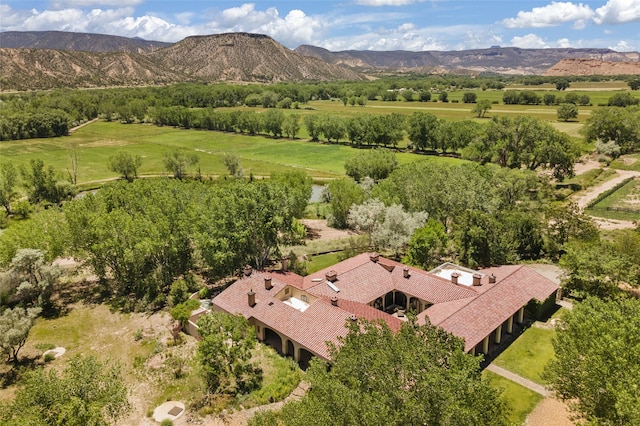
(177, 162)
(225, 353)
(469, 97)
(342, 194)
(597, 364)
(232, 162)
(86, 392)
(29, 279)
(422, 129)
(297, 186)
(8, 184)
(44, 183)
(419, 375)
(291, 125)
(481, 108)
(374, 163)
(15, 325)
(567, 112)
(623, 99)
(125, 163)
(312, 123)
(562, 84)
(272, 121)
(634, 83)
(427, 246)
(621, 125)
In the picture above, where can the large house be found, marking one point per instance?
(299, 315)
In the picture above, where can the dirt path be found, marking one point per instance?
(585, 198)
(73, 129)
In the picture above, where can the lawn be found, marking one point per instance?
(529, 354)
(317, 263)
(520, 399)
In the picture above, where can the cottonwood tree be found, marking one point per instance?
(85, 392)
(341, 194)
(178, 162)
(8, 184)
(375, 163)
(29, 279)
(422, 129)
(15, 325)
(567, 112)
(481, 108)
(597, 362)
(225, 353)
(620, 125)
(418, 375)
(125, 163)
(44, 183)
(427, 246)
(232, 163)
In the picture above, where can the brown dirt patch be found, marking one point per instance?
(317, 229)
(550, 412)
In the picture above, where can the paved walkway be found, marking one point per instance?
(518, 379)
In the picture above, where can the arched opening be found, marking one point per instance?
(378, 303)
(272, 339)
(401, 300)
(305, 357)
(388, 301)
(414, 305)
(290, 349)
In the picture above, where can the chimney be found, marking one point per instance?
(454, 277)
(267, 283)
(331, 276)
(353, 317)
(477, 279)
(334, 301)
(285, 263)
(492, 279)
(251, 298)
(374, 257)
(405, 271)
(247, 270)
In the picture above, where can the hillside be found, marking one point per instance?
(236, 57)
(593, 67)
(28, 69)
(245, 57)
(62, 40)
(504, 60)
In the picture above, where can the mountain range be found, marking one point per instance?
(42, 60)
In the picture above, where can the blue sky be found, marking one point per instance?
(349, 24)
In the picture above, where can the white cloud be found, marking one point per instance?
(77, 4)
(564, 43)
(552, 14)
(377, 3)
(618, 12)
(622, 46)
(529, 41)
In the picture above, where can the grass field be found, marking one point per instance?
(520, 399)
(529, 354)
(258, 155)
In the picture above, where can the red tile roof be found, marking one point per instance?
(468, 312)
